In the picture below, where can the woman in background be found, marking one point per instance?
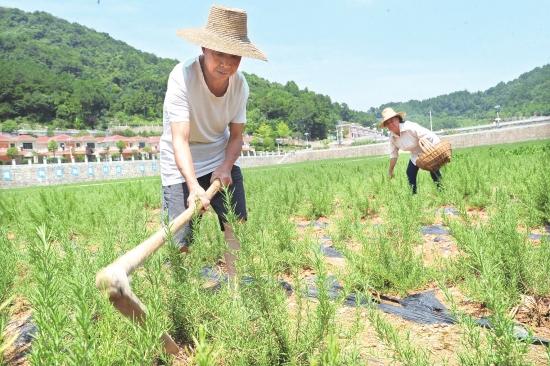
(405, 135)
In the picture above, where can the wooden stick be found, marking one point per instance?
(114, 278)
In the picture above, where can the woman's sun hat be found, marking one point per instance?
(226, 32)
(388, 113)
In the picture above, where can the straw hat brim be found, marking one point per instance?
(400, 114)
(232, 46)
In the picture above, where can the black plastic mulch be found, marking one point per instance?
(434, 230)
(25, 331)
(422, 308)
(331, 252)
(220, 279)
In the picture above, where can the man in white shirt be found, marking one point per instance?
(203, 121)
(405, 135)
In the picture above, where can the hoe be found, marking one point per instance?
(113, 279)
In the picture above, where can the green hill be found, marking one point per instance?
(64, 75)
(55, 71)
(528, 95)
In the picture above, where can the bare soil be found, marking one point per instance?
(442, 341)
(436, 248)
(20, 317)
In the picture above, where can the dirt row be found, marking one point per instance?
(442, 341)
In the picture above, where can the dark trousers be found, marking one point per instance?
(175, 197)
(412, 172)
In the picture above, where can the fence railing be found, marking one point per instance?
(39, 174)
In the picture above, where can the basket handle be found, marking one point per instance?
(426, 145)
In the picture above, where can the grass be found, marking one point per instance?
(54, 239)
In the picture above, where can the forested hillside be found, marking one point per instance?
(55, 71)
(61, 74)
(64, 74)
(525, 96)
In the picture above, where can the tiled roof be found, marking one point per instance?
(5, 138)
(113, 138)
(61, 138)
(25, 138)
(43, 139)
(86, 138)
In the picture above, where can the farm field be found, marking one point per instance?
(348, 244)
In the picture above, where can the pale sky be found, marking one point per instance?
(361, 52)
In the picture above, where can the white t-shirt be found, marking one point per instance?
(188, 100)
(408, 140)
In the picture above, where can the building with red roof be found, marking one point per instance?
(5, 140)
(76, 147)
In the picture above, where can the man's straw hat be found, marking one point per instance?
(225, 31)
(388, 113)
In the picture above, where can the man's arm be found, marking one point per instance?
(232, 153)
(184, 161)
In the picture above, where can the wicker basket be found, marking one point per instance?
(433, 156)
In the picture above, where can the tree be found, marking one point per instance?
(265, 133)
(92, 99)
(254, 118)
(12, 152)
(269, 143)
(283, 130)
(126, 133)
(345, 113)
(120, 145)
(9, 126)
(147, 149)
(53, 146)
(292, 88)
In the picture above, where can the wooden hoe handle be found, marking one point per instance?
(113, 279)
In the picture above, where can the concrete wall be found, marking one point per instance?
(309, 155)
(538, 131)
(38, 174)
(493, 137)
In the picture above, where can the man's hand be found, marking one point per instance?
(390, 174)
(197, 193)
(223, 174)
